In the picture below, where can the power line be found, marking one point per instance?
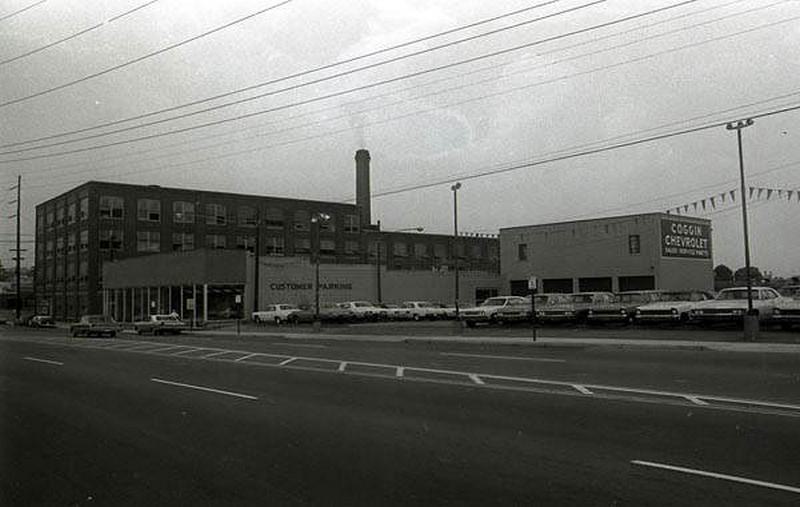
(15, 13)
(327, 96)
(144, 57)
(77, 34)
(292, 87)
(284, 78)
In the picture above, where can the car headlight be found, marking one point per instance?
(590, 312)
(623, 312)
(638, 312)
(737, 312)
(776, 311)
(674, 311)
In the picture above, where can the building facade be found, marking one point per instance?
(635, 252)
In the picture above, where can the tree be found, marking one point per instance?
(723, 273)
(741, 275)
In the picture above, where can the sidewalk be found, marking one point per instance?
(541, 341)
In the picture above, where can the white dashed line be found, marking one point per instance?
(582, 389)
(695, 400)
(46, 361)
(342, 366)
(184, 351)
(248, 356)
(215, 354)
(284, 363)
(715, 475)
(207, 389)
(476, 379)
(307, 345)
(511, 358)
(400, 372)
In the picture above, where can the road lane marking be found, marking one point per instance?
(715, 475)
(695, 400)
(512, 358)
(308, 345)
(290, 360)
(342, 365)
(476, 379)
(184, 351)
(248, 356)
(582, 389)
(201, 388)
(400, 372)
(46, 361)
(214, 354)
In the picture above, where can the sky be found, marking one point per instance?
(509, 87)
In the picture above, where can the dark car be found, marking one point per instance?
(95, 325)
(40, 321)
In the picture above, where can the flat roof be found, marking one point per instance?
(614, 217)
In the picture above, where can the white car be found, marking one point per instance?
(278, 313)
(390, 311)
(731, 305)
(672, 306)
(487, 311)
(787, 310)
(443, 311)
(421, 310)
(361, 310)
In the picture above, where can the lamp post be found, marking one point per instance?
(455, 189)
(750, 320)
(316, 218)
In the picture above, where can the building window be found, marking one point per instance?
(148, 241)
(459, 250)
(111, 239)
(400, 250)
(351, 247)
(84, 240)
(420, 251)
(327, 247)
(216, 241)
(59, 272)
(216, 214)
(49, 249)
(39, 223)
(301, 220)
(274, 246)
(351, 223)
(51, 218)
(247, 216)
(634, 244)
(71, 243)
(494, 252)
(83, 271)
(183, 212)
(274, 219)
(49, 273)
(302, 245)
(246, 242)
(110, 206)
(71, 213)
(59, 246)
(71, 273)
(477, 251)
(440, 251)
(59, 216)
(84, 211)
(149, 210)
(328, 225)
(182, 241)
(522, 252)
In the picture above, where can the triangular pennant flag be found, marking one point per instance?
(769, 193)
(722, 197)
(789, 195)
(704, 204)
(713, 204)
(780, 193)
(668, 212)
(733, 195)
(686, 206)
(752, 189)
(678, 210)
(760, 191)
(694, 204)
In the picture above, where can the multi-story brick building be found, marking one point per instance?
(97, 222)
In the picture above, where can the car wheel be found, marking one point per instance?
(138, 330)
(416, 317)
(470, 323)
(112, 334)
(278, 321)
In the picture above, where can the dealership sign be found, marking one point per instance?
(681, 238)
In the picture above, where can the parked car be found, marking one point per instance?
(276, 313)
(487, 311)
(95, 325)
(787, 311)
(623, 308)
(731, 305)
(40, 321)
(672, 306)
(390, 311)
(419, 310)
(519, 311)
(573, 307)
(361, 310)
(444, 311)
(160, 324)
(332, 312)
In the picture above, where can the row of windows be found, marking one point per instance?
(70, 272)
(73, 243)
(634, 247)
(64, 216)
(184, 212)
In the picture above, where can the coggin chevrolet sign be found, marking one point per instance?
(680, 238)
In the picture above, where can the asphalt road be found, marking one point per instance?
(194, 421)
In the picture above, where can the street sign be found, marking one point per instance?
(532, 283)
(238, 299)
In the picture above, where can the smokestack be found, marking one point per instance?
(362, 186)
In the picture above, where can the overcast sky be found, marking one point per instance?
(699, 63)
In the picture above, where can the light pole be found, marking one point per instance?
(316, 218)
(750, 321)
(455, 188)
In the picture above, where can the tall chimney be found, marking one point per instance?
(362, 186)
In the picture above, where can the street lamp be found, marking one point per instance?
(455, 188)
(750, 322)
(316, 218)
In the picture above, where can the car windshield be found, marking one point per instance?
(731, 294)
(170, 318)
(683, 296)
(361, 304)
(637, 298)
(494, 302)
(579, 298)
(98, 319)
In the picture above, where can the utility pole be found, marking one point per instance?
(378, 263)
(18, 251)
(750, 321)
(455, 189)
